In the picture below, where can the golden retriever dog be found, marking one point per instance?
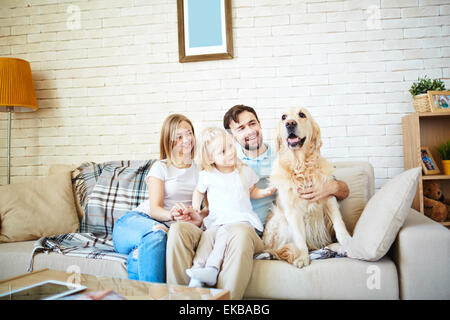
(297, 225)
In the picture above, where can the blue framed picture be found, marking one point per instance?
(204, 30)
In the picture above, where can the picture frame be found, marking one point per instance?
(429, 165)
(204, 30)
(439, 101)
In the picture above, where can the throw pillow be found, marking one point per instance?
(358, 182)
(86, 175)
(383, 217)
(63, 168)
(39, 208)
(120, 188)
(60, 168)
(84, 179)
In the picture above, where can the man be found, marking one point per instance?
(183, 237)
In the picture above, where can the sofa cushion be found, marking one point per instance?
(358, 182)
(38, 208)
(15, 258)
(62, 169)
(85, 176)
(337, 278)
(366, 166)
(84, 179)
(119, 189)
(383, 217)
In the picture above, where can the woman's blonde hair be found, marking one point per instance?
(168, 136)
(210, 136)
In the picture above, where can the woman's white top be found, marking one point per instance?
(228, 199)
(179, 184)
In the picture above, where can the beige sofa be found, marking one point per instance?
(416, 267)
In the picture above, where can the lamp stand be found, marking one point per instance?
(9, 146)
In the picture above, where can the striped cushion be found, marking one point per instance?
(111, 190)
(84, 179)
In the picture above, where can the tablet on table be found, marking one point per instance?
(45, 290)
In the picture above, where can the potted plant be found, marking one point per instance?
(419, 91)
(444, 151)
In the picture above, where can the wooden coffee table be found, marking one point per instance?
(130, 289)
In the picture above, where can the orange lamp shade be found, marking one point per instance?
(16, 86)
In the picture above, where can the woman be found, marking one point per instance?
(141, 233)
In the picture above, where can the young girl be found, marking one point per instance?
(229, 184)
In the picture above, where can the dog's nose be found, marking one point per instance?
(291, 124)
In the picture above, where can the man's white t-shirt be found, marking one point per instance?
(179, 184)
(228, 200)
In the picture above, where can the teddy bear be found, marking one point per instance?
(436, 206)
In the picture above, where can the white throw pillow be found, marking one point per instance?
(358, 182)
(383, 217)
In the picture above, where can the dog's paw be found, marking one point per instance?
(337, 247)
(302, 260)
(344, 239)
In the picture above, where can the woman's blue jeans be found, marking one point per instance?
(136, 230)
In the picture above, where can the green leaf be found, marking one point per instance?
(444, 150)
(423, 85)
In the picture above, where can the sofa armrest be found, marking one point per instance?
(421, 253)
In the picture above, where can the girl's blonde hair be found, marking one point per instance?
(168, 136)
(209, 137)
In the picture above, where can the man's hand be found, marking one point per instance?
(257, 193)
(313, 193)
(268, 191)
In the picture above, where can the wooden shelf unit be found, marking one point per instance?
(436, 177)
(426, 129)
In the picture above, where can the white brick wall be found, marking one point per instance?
(105, 88)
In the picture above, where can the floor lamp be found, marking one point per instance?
(16, 93)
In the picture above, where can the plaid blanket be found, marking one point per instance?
(319, 254)
(86, 245)
(106, 191)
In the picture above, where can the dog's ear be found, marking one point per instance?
(277, 138)
(316, 139)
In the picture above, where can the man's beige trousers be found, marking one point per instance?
(242, 244)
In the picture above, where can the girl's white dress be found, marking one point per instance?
(228, 199)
